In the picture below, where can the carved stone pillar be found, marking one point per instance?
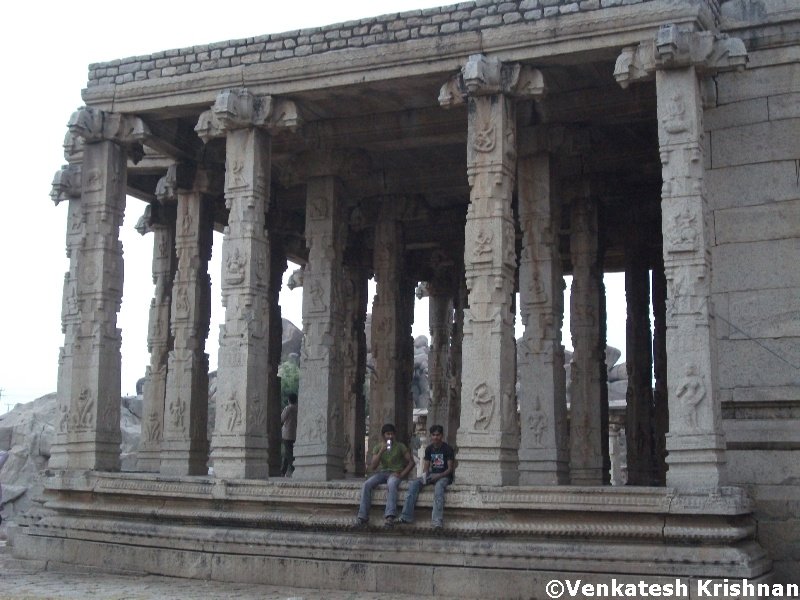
(390, 383)
(543, 452)
(660, 398)
(67, 186)
(354, 364)
(588, 415)
(240, 442)
(276, 270)
(320, 447)
(159, 335)
(696, 440)
(440, 322)
(184, 446)
(92, 420)
(638, 350)
(488, 437)
(455, 366)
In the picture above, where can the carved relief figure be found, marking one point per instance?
(683, 233)
(537, 422)
(483, 243)
(182, 303)
(82, 418)
(152, 430)
(233, 412)
(316, 293)
(675, 119)
(237, 174)
(485, 138)
(63, 421)
(483, 401)
(177, 410)
(691, 392)
(235, 265)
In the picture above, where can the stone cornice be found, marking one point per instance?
(529, 41)
(723, 501)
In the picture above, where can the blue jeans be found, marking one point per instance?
(393, 484)
(437, 515)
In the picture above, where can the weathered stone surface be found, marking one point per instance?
(736, 114)
(784, 106)
(759, 314)
(763, 467)
(756, 265)
(752, 184)
(755, 83)
(775, 221)
(770, 141)
(776, 434)
(744, 363)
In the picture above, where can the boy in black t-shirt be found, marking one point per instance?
(437, 469)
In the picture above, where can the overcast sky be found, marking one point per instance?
(48, 50)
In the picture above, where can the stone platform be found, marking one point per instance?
(498, 542)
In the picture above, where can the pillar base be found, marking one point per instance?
(241, 462)
(178, 459)
(487, 459)
(313, 463)
(695, 461)
(533, 471)
(93, 455)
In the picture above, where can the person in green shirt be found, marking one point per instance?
(392, 462)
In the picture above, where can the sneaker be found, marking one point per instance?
(404, 521)
(436, 526)
(388, 521)
(361, 522)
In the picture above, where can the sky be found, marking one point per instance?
(48, 50)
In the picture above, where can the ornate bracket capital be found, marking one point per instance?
(674, 48)
(73, 147)
(145, 223)
(241, 109)
(178, 176)
(94, 125)
(66, 183)
(482, 76)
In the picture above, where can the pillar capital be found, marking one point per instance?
(66, 184)
(178, 176)
(483, 76)
(93, 125)
(241, 109)
(674, 48)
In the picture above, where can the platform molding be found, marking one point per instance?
(498, 542)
